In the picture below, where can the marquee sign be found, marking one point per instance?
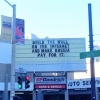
(58, 54)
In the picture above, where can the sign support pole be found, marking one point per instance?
(93, 88)
(13, 54)
(12, 92)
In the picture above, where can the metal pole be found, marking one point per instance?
(13, 55)
(93, 88)
(6, 87)
(34, 91)
(12, 92)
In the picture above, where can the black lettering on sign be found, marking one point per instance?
(43, 46)
(38, 42)
(52, 46)
(51, 41)
(41, 54)
(60, 46)
(67, 47)
(61, 55)
(70, 84)
(75, 83)
(52, 55)
(97, 82)
(32, 51)
(62, 42)
(61, 50)
(36, 50)
(83, 82)
(46, 50)
(86, 82)
(34, 46)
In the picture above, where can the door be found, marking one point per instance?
(80, 97)
(54, 97)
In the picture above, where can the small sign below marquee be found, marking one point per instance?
(49, 86)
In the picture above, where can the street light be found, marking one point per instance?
(12, 92)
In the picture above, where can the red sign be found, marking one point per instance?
(39, 79)
(49, 86)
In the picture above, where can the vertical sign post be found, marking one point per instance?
(93, 88)
(12, 92)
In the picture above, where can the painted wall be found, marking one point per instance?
(5, 53)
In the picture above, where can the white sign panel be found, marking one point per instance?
(61, 54)
(50, 80)
(20, 70)
(82, 83)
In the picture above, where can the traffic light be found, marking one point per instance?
(27, 82)
(19, 82)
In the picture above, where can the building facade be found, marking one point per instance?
(74, 84)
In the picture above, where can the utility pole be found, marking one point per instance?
(93, 87)
(12, 91)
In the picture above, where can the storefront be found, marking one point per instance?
(80, 89)
(50, 87)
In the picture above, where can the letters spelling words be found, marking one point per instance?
(84, 83)
(55, 46)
